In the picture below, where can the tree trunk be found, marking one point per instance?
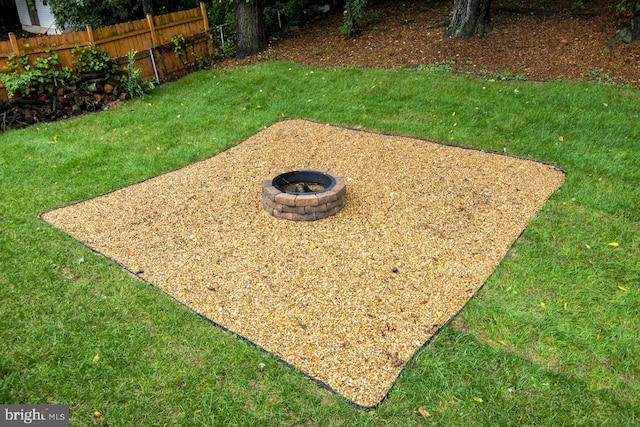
(251, 38)
(469, 17)
(632, 30)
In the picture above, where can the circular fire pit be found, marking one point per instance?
(303, 195)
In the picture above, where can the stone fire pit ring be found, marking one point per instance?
(303, 195)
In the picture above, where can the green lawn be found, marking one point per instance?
(551, 339)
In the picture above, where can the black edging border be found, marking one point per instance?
(278, 358)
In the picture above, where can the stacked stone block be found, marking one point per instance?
(303, 206)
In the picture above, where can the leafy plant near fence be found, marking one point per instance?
(90, 60)
(43, 91)
(38, 78)
(132, 79)
(184, 50)
(34, 78)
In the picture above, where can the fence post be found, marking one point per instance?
(14, 43)
(152, 28)
(90, 34)
(205, 20)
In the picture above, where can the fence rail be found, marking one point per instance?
(150, 37)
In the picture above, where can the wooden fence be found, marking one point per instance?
(153, 38)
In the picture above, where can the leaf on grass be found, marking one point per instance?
(501, 342)
(622, 288)
(560, 138)
(95, 358)
(478, 399)
(542, 304)
(614, 244)
(565, 305)
(425, 414)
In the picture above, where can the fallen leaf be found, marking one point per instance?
(542, 304)
(588, 247)
(622, 288)
(501, 342)
(560, 138)
(95, 358)
(478, 399)
(614, 244)
(565, 305)
(425, 414)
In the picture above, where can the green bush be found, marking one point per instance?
(132, 79)
(86, 59)
(34, 78)
(353, 13)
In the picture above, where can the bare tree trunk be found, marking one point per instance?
(251, 38)
(470, 17)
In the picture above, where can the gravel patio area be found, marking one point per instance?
(347, 299)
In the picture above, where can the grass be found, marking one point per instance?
(551, 339)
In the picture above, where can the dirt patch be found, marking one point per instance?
(347, 299)
(569, 45)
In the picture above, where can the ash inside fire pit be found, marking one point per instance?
(303, 195)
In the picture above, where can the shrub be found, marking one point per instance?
(34, 78)
(89, 60)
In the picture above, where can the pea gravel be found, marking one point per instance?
(347, 299)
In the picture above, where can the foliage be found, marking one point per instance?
(41, 76)
(446, 67)
(578, 6)
(280, 15)
(353, 13)
(77, 14)
(132, 79)
(183, 50)
(220, 13)
(87, 59)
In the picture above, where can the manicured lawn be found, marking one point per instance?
(551, 339)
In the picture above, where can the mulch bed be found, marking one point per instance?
(569, 45)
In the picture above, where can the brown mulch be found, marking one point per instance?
(347, 299)
(569, 45)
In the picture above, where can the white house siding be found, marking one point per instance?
(47, 21)
(23, 12)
